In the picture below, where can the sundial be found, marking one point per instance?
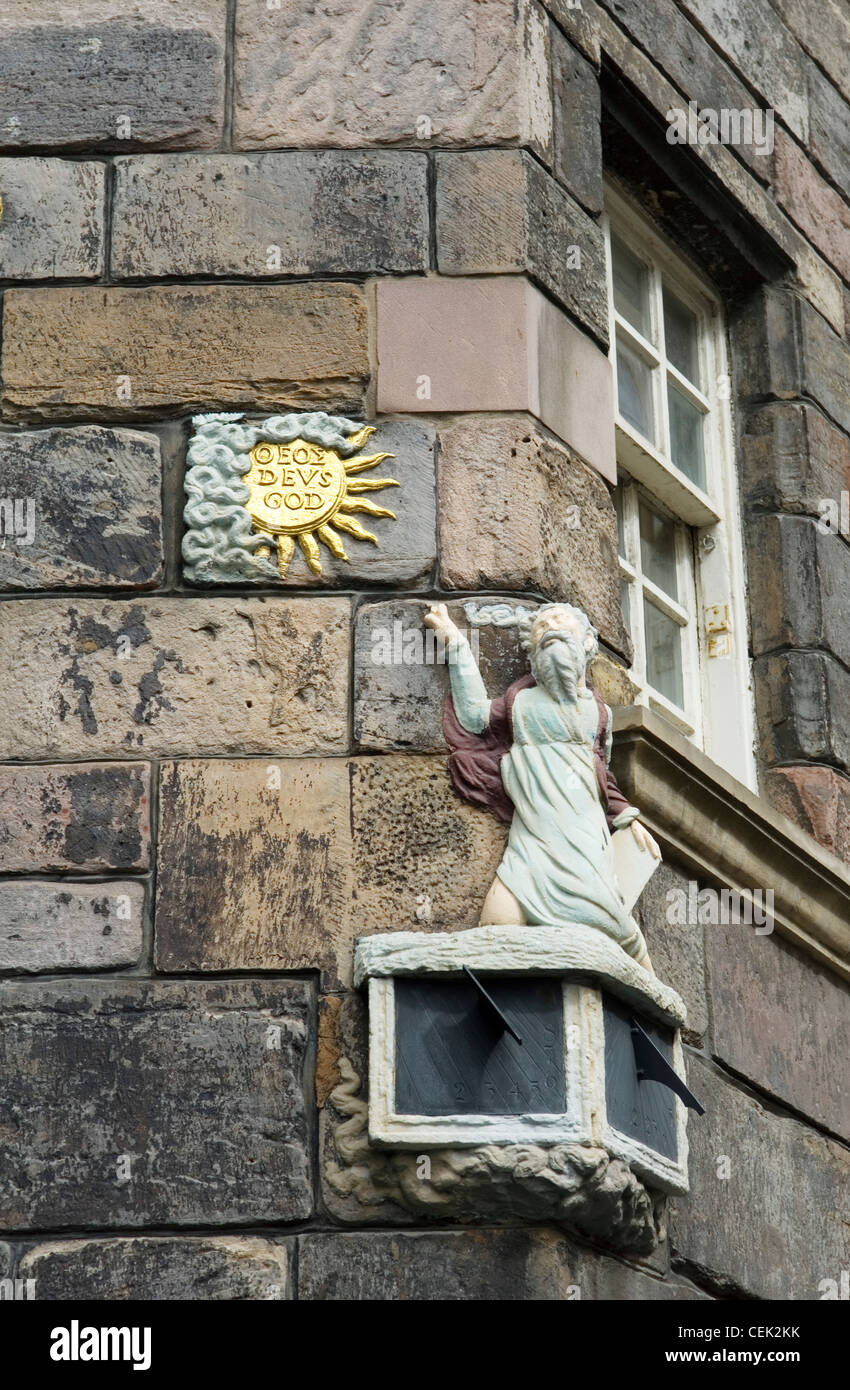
(302, 491)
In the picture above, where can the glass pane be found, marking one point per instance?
(617, 499)
(663, 653)
(658, 550)
(686, 448)
(634, 391)
(681, 336)
(631, 287)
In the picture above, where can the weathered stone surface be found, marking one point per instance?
(70, 926)
(820, 285)
(803, 708)
(52, 219)
(499, 212)
(792, 457)
(519, 511)
(89, 508)
(764, 52)
(161, 1269)
(255, 866)
(677, 948)
(398, 73)
(128, 1103)
(785, 348)
(818, 799)
(401, 675)
(799, 585)
(422, 854)
(598, 1277)
(824, 30)
(580, 25)
(6, 1258)
(782, 1021)
(406, 552)
(829, 124)
(779, 1221)
(294, 213)
(613, 681)
(116, 79)
(816, 208)
(173, 676)
(87, 350)
(577, 114)
(76, 817)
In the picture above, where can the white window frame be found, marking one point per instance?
(718, 714)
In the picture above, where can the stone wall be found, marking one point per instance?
(207, 793)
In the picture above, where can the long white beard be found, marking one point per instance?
(558, 665)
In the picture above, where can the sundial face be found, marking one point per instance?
(304, 491)
(294, 487)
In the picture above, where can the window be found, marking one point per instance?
(681, 563)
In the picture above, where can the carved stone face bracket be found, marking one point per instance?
(571, 1082)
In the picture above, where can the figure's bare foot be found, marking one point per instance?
(501, 908)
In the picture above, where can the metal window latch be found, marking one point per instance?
(718, 628)
(652, 1065)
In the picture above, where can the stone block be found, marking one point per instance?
(820, 213)
(401, 676)
(816, 798)
(792, 458)
(824, 31)
(577, 115)
(676, 946)
(255, 867)
(84, 509)
(133, 1103)
(768, 1210)
(422, 855)
(802, 708)
(70, 926)
(117, 78)
(518, 511)
(494, 343)
(401, 73)
(86, 351)
(174, 676)
(782, 1021)
(161, 1269)
(74, 817)
(266, 215)
(829, 123)
(799, 586)
(499, 212)
(52, 221)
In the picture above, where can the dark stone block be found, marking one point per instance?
(161, 1269)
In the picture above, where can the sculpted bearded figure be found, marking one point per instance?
(538, 758)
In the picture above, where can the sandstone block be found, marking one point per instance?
(132, 1103)
(86, 508)
(295, 213)
(117, 77)
(174, 676)
(792, 458)
(52, 223)
(816, 798)
(69, 926)
(77, 817)
(802, 708)
(84, 351)
(577, 111)
(161, 1269)
(799, 586)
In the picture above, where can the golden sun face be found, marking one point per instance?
(301, 491)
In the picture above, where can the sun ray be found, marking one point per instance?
(355, 440)
(285, 547)
(347, 523)
(333, 542)
(366, 461)
(364, 506)
(311, 551)
(371, 484)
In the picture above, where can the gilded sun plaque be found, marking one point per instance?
(256, 489)
(302, 491)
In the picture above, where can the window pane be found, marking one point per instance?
(681, 336)
(631, 287)
(634, 391)
(663, 653)
(658, 550)
(686, 448)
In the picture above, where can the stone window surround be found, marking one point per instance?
(726, 835)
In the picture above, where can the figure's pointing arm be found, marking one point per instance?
(471, 702)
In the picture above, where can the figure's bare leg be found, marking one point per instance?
(501, 908)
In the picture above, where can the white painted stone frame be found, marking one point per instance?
(587, 962)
